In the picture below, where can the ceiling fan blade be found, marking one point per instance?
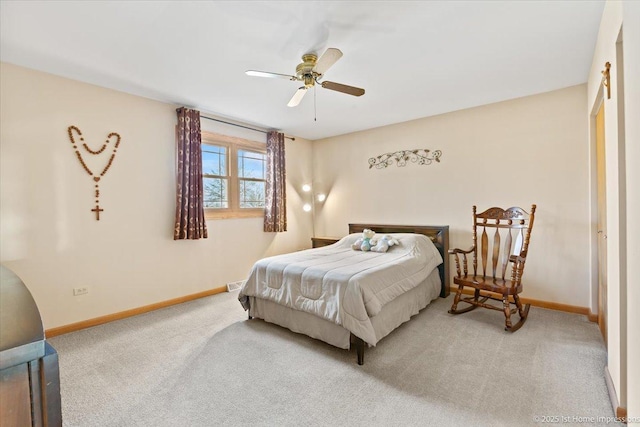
(328, 58)
(351, 90)
(256, 73)
(297, 97)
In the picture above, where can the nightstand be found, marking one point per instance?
(318, 242)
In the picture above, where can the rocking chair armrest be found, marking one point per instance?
(460, 251)
(517, 269)
(517, 258)
(464, 253)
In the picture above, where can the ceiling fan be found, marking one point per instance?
(310, 71)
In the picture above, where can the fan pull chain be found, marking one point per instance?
(315, 108)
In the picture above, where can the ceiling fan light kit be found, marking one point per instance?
(310, 71)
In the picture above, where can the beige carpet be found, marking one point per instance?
(202, 364)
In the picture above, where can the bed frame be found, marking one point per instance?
(439, 235)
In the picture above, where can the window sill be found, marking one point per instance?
(234, 214)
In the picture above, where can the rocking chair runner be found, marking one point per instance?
(512, 219)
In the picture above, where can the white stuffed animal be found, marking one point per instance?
(356, 245)
(383, 244)
(364, 242)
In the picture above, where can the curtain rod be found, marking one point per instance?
(240, 126)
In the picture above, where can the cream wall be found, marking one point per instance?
(128, 259)
(631, 18)
(621, 23)
(514, 153)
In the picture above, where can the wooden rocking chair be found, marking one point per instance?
(495, 283)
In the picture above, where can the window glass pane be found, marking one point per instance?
(251, 194)
(214, 160)
(251, 164)
(216, 193)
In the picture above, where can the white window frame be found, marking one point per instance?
(233, 144)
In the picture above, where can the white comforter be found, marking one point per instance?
(341, 285)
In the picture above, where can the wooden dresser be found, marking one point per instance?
(318, 242)
(29, 375)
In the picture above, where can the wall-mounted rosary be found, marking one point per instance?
(74, 133)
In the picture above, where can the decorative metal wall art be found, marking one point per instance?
(421, 156)
(74, 133)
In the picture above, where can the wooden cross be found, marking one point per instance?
(97, 210)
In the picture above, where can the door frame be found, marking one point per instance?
(616, 221)
(601, 226)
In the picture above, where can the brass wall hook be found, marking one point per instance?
(606, 78)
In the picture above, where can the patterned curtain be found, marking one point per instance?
(275, 200)
(190, 222)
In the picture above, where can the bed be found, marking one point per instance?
(351, 298)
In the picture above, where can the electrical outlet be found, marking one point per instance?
(80, 291)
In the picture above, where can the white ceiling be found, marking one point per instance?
(415, 59)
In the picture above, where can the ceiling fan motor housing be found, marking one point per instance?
(304, 70)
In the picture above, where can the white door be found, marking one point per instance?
(602, 223)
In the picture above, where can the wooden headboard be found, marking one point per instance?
(439, 235)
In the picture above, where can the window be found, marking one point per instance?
(251, 176)
(233, 175)
(215, 176)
